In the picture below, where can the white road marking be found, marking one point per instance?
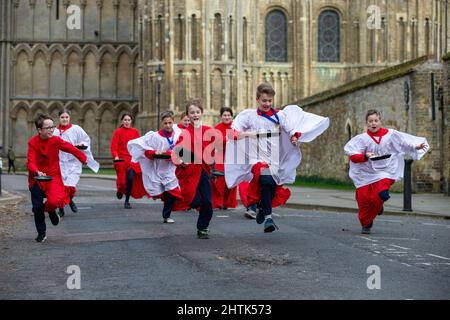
(424, 263)
(408, 265)
(433, 255)
(222, 216)
(433, 224)
(368, 239)
(393, 245)
(394, 221)
(84, 208)
(389, 238)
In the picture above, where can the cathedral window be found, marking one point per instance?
(329, 37)
(276, 37)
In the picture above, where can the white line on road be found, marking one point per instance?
(393, 245)
(389, 238)
(368, 239)
(408, 265)
(222, 216)
(385, 220)
(433, 255)
(433, 224)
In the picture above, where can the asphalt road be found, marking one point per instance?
(131, 254)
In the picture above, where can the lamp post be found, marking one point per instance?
(159, 76)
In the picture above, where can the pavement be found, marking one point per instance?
(433, 205)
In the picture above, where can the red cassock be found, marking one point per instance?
(369, 203)
(189, 176)
(119, 148)
(250, 193)
(43, 155)
(221, 195)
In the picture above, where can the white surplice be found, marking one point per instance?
(71, 167)
(396, 143)
(277, 150)
(158, 175)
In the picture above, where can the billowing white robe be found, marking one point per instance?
(277, 151)
(395, 143)
(71, 168)
(158, 175)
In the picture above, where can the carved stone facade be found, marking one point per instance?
(92, 71)
(220, 50)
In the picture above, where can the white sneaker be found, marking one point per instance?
(169, 220)
(250, 214)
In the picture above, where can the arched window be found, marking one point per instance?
(329, 37)
(276, 37)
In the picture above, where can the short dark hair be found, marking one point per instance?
(372, 112)
(226, 109)
(40, 118)
(265, 88)
(194, 102)
(64, 111)
(166, 114)
(126, 114)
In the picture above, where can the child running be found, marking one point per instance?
(153, 151)
(43, 161)
(71, 168)
(376, 162)
(271, 158)
(223, 198)
(194, 155)
(129, 175)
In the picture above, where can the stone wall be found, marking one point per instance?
(403, 95)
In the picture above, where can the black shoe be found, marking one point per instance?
(260, 217)
(54, 218)
(127, 205)
(41, 238)
(119, 195)
(203, 234)
(73, 206)
(366, 230)
(381, 212)
(270, 226)
(61, 212)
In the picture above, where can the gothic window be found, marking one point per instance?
(194, 38)
(427, 36)
(276, 37)
(329, 37)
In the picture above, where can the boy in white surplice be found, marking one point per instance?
(376, 162)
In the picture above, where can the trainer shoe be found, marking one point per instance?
(270, 226)
(61, 212)
(250, 214)
(366, 230)
(54, 218)
(203, 234)
(41, 238)
(119, 195)
(169, 220)
(260, 217)
(127, 205)
(73, 206)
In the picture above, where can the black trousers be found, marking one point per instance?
(168, 205)
(267, 187)
(37, 201)
(11, 164)
(130, 177)
(203, 199)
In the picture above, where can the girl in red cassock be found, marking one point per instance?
(129, 174)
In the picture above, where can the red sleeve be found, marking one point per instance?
(297, 134)
(149, 154)
(115, 144)
(32, 166)
(69, 148)
(358, 158)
